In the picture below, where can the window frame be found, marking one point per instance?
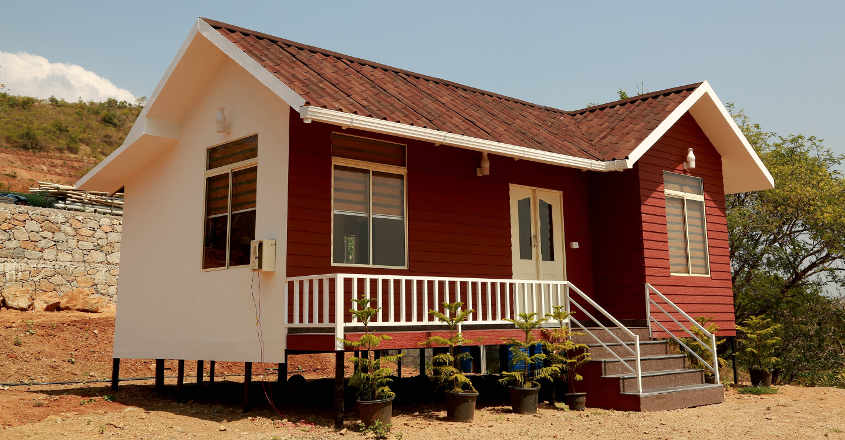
(684, 196)
(226, 169)
(371, 167)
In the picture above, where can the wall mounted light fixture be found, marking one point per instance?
(222, 121)
(689, 163)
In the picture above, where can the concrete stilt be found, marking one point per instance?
(159, 382)
(211, 366)
(200, 372)
(247, 382)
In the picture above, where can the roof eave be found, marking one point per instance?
(366, 123)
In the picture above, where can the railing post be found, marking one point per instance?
(715, 358)
(639, 367)
(566, 303)
(648, 310)
(338, 312)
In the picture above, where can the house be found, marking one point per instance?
(364, 180)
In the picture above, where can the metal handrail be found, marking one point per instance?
(309, 311)
(714, 367)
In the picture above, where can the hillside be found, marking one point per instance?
(56, 140)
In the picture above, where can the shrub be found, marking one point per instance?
(446, 369)
(758, 390)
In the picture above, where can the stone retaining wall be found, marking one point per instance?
(47, 253)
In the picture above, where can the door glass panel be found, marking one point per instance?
(524, 218)
(547, 247)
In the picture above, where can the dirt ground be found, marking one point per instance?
(69, 346)
(86, 412)
(76, 346)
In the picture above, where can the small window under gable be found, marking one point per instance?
(231, 179)
(686, 225)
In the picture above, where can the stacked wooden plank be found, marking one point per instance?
(73, 199)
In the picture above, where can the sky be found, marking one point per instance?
(780, 62)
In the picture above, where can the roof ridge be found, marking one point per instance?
(630, 100)
(327, 52)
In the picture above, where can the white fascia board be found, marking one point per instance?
(255, 69)
(747, 145)
(679, 111)
(348, 120)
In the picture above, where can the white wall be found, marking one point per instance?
(168, 307)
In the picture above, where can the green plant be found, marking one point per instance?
(758, 343)
(17, 341)
(563, 351)
(370, 379)
(446, 369)
(757, 390)
(700, 344)
(532, 364)
(378, 430)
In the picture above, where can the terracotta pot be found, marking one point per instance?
(576, 401)
(371, 411)
(524, 400)
(460, 407)
(760, 377)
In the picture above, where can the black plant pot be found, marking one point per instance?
(576, 401)
(524, 400)
(371, 411)
(760, 377)
(460, 407)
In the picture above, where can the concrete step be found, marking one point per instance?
(680, 397)
(647, 363)
(582, 337)
(647, 348)
(659, 380)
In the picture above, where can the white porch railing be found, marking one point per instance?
(710, 345)
(316, 301)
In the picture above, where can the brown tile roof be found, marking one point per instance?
(339, 82)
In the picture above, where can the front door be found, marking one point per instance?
(537, 233)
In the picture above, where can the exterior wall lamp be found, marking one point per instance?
(222, 121)
(484, 167)
(689, 163)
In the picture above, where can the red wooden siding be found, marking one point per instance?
(458, 223)
(619, 275)
(710, 296)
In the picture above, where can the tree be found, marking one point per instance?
(446, 366)
(793, 236)
(532, 364)
(787, 247)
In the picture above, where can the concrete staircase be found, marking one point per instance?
(669, 382)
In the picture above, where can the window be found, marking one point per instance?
(686, 225)
(368, 206)
(230, 195)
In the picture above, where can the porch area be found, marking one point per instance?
(641, 368)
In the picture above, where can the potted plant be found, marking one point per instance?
(524, 388)
(701, 347)
(446, 371)
(567, 355)
(757, 348)
(371, 379)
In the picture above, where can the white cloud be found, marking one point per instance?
(32, 75)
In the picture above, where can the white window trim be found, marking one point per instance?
(225, 169)
(698, 198)
(371, 167)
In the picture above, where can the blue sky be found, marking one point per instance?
(781, 62)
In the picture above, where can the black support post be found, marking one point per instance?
(733, 359)
(200, 372)
(399, 364)
(180, 377)
(247, 382)
(422, 362)
(338, 389)
(283, 374)
(211, 366)
(115, 373)
(159, 375)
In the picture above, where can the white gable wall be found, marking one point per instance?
(168, 307)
